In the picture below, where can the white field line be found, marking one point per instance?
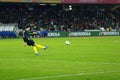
(30, 60)
(69, 75)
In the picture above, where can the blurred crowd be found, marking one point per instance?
(60, 18)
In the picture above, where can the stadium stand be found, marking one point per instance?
(7, 31)
(60, 17)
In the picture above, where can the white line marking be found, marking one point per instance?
(63, 61)
(68, 75)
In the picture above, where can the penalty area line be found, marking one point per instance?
(61, 61)
(69, 75)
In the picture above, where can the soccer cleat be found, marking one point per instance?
(36, 54)
(45, 47)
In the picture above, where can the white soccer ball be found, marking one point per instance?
(67, 42)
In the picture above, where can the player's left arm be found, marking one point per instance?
(25, 44)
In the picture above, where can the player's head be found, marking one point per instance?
(27, 28)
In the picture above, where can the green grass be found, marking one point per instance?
(86, 58)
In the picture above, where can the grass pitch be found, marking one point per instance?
(86, 58)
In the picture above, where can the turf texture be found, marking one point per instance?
(86, 58)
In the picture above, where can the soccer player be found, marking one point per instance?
(28, 41)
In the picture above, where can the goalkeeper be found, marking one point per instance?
(28, 41)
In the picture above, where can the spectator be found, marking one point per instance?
(58, 19)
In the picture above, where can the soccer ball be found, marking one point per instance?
(67, 42)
